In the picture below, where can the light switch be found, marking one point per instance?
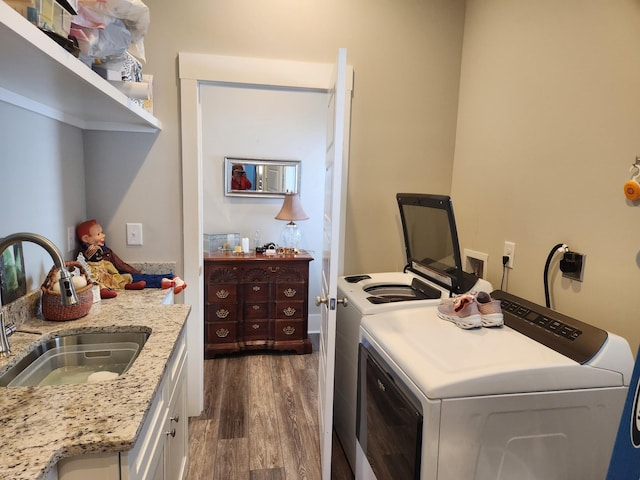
(134, 234)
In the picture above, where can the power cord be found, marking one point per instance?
(505, 260)
(561, 247)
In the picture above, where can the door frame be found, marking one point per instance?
(193, 70)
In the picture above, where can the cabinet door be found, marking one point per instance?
(159, 472)
(176, 447)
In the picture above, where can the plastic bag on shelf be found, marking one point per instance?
(133, 13)
(111, 42)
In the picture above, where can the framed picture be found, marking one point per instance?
(13, 281)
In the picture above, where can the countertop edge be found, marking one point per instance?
(41, 425)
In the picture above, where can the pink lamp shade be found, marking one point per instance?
(291, 209)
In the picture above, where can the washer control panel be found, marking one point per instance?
(568, 336)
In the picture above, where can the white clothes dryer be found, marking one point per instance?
(539, 398)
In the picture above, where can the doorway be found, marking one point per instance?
(194, 70)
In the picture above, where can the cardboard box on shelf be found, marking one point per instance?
(22, 6)
(61, 20)
(67, 18)
(47, 14)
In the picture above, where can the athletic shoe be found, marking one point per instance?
(490, 310)
(461, 310)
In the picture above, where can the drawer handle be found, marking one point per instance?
(256, 307)
(222, 293)
(274, 269)
(289, 311)
(256, 288)
(172, 432)
(289, 330)
(222, 332)
(255, 326)
(175, 419)
(289, 292)
(222, 313)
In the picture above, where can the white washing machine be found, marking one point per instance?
(433, 271)
(389, 292)
(539, 398)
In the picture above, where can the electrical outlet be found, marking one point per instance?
(134, 234)
(71, 239)
(509, 251)
(572, 265)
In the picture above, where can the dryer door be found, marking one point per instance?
(390, 421)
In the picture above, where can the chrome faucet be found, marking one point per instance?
(67, 291)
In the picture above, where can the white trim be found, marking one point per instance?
(192, 242)
(194, 69)
(257, 71)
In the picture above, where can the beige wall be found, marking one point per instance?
(548, 127)
(406, 57)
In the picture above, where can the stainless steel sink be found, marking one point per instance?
(76, 358)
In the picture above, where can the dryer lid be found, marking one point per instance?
(445, 361)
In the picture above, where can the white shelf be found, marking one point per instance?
(39, 75)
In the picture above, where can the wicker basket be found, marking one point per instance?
(52, 308)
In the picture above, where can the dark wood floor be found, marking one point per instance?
(260, 420)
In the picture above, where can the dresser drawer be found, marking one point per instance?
(225, 292)
(289, 330)
(221, 312)
(221, 332)
(257, 330)
(289, 310)
(255, 292)
(291, 291)
(256, 311)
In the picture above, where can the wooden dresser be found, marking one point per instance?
(255, 302)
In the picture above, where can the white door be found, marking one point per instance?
(333, 247)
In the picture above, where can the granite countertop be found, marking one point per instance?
(41, 425)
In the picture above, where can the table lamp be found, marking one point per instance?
(291, 210)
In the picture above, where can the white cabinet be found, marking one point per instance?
(41, 76)
(177, 445)
(161, 451)
(162, 448)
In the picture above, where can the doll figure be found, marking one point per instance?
(111, 272)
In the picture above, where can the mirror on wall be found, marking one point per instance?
(249, 177)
